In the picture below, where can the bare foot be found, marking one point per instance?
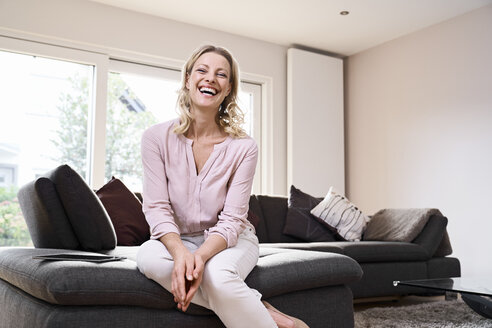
(283, 320)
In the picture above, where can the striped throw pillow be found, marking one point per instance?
(338, 212)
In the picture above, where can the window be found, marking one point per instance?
(138, 97)
(44, 102)
(141, 95)
(47, 100)
(45, 105)
(62, 105)
(250, 103)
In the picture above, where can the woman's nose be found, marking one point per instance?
(210, 77)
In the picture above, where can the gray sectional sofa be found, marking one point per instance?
(382, 262)
(313, 281)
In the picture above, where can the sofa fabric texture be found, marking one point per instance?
(413, 257)
(45, 216)
(120, 283)
(125, 211)
(336, 211)
(333, 308)
(315, 281)
(86, 214)
(300, 223)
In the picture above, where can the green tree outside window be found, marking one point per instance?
(123, 134)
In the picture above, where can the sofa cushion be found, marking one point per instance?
(120, 283)
(81, 283)
(125, 212)
(434, 237)
(336, 211)
(85, 211)
(301, 223)
(375, 251)
(46, 219)
(398, 224)
(255, 209)
(274, 210)
(281, 271)
(323, 246)
(362, 251)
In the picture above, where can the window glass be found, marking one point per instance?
(135, 102)
(47, 118)
(140, 96)
(45, 105)
(250, 104)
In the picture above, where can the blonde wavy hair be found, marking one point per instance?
(229, 116)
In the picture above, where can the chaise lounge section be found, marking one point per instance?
(64, 215)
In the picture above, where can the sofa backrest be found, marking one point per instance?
(273, 211)
(434, 237)
(45, 216)
(61, 211)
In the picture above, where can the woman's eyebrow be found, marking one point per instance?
(218, 69)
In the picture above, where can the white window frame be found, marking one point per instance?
(267, 128)
(255, 89)
(122, 66)
(104, 63)
(98, 103)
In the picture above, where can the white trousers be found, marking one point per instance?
(223, 289)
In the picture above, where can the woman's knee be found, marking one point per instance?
(147, 253)
(219, 281)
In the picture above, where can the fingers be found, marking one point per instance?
(199, 266)
(182, 276)
(194, 284)
(178, 282)
(190, 265)
(187, 276)
(181, 287)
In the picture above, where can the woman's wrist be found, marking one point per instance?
(213, 245)
(174, 245)
(202, 254)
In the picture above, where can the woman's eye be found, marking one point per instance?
(201, 70)
(222, 75)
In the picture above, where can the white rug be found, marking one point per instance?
(440, 314)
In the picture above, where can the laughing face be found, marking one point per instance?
(209, 81)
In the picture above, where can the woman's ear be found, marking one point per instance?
(229, 88)
(187, 81)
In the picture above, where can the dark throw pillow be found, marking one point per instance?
(89, 220)
(301, 223)
(254, 219)
(45, 216)
(125, 211)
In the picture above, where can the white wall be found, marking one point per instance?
(418, 109)
(130, 35)
(315, 145)
(419, 129)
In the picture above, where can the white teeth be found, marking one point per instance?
(208, 91)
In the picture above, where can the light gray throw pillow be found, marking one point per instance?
(338, 212)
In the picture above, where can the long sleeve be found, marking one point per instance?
(233, 217)
(179, 199)
(156, 205)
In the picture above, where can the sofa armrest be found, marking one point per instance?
(432, 234)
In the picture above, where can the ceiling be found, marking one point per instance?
(309, 23)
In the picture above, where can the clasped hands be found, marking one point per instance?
(186, 278)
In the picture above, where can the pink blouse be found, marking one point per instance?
(178, 200)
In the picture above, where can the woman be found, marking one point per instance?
(198, 173)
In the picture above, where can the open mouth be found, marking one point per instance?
(208, 91)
